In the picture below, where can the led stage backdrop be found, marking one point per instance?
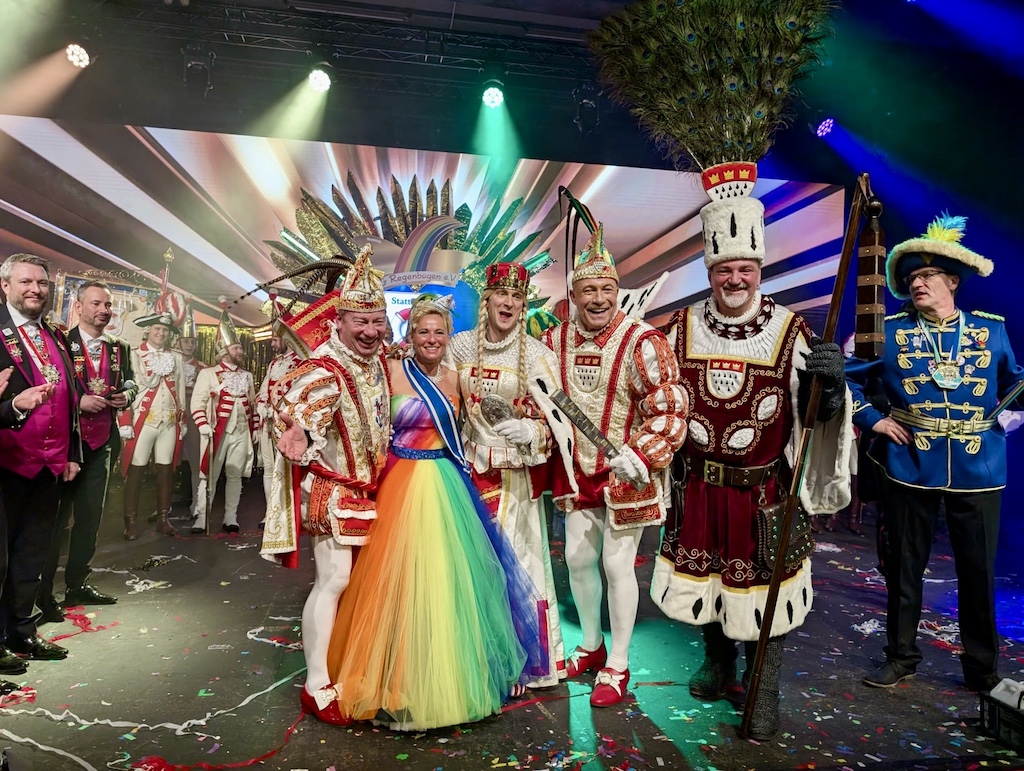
(114, 198)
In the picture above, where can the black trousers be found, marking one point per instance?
(973, 522)
(26, 531)
(78, 517)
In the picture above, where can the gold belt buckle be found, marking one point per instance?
(714, 473)
(957, 427)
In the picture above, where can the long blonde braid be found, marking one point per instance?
(481, 330)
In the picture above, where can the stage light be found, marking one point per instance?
(197, 62)
(493, 95)
(588, 114)
(320, 77)
(78, 56)
(824, 127)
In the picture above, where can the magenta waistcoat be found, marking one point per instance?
(96, 426)
(43, 441)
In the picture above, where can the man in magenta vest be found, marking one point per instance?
(104, 369)
(36, 458)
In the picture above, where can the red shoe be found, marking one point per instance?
(609, 687)
(583, 660)
(330, 713)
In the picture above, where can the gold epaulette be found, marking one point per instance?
(900, 315)
(993, 316)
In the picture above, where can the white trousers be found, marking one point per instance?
(157, 443)
(333, 563)
(230, 457)
(589, 537)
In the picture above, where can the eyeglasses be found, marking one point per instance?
(928, 274)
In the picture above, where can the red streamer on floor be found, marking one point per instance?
(155, 763)
(77, 616)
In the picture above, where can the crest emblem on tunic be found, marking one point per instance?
(726, 377)
(586, 371)
(487, 377)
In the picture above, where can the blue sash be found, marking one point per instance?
(441, 411)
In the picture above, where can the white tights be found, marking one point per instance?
(333, 567)
(589, 537)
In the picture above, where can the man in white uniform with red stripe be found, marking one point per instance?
(224, 411)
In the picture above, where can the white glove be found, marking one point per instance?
(627, 465)
(126, 432)
(205, 430)
(515, 431)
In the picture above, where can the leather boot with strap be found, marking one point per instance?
(164, 472)
(132, 488)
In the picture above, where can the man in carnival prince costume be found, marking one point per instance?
(334, 427)
(623, 376)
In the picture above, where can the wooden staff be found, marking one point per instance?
(861, 197)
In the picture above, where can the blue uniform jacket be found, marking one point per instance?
(958, 460)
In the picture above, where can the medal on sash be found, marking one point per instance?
(51, 373)
(48, 370)
(945, 369)
(96, 384)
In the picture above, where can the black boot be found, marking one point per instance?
(719, 668)
(163, 499)
(764, 723)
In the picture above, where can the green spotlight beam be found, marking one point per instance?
(298, 115)
(495, 136)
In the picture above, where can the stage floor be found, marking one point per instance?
(198, 666)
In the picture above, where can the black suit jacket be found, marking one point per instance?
(21, 379)
(120, 357)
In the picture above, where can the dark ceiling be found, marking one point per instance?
(920, 97)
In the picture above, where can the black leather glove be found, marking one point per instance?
(825, 361)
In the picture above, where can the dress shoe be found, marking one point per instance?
(87, 595)
(583, 660)
(331, 713)
(889, 675)
(609, 687)
(36, 648)
(11, 664)
(6, 687)
(50, 608)
(230, 528)
(982, 684)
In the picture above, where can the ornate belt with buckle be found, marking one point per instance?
(720, 475)
(942, 426)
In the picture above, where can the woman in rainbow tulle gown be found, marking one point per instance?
(436, 621)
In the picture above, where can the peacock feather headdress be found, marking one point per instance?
(710, 80)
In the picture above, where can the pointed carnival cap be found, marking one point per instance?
(279, 315)
(733, 223)
(595, 261)
(226, 333)
(170, 307)
(939, 247)
(362, 291)
(508, 275)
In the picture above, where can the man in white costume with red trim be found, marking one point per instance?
(224, 411)
(284, 361)
(509, 459)
(621, 373)
(335, 425)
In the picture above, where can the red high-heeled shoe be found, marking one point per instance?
(329, 714)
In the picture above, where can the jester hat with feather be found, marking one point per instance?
(709, 80)
(940, 248)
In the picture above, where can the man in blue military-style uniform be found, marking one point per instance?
(944, 372)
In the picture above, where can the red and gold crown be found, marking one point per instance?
(306, 330)
(362, 291)
(508, 275)
(595, 261)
